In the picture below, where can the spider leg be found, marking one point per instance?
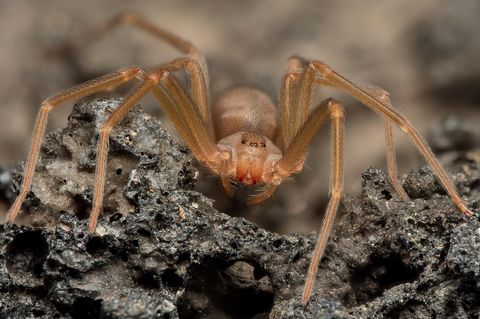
(179, 110)
(392, 170)
(326, 75)
(185, 116)
(294, 102)
(105, 82)
(198, 87)
(392, 162)
(289, 117)
(128, 18)
(103, 145)
(299, 146)
(194, 63)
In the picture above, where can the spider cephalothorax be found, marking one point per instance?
(240, 135)
(251, 155)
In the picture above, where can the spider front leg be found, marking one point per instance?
(106, 82)
(336, 188)
(102, 148)
(297, 150)
(179, 109)
(194, 63)
(324, 74)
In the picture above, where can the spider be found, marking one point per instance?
(239, 137)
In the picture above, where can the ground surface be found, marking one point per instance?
(162, 250)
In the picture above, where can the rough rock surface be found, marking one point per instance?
(161, 250)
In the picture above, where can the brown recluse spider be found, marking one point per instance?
(239, 137)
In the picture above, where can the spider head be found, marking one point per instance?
(249, 158)
(251, 155)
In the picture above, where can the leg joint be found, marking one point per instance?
(133, 72)
(47, 106)
(158, 75)
(295, 64)
(335, 108)
(321, 67)
(126, 17)
(292, 76)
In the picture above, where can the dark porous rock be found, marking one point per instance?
(162, 251)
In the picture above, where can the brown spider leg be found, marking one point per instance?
(294, 105)
(185, 115)
(329, 77)
(336, 188)
(103, 83)
(103, 145)
(180, 111)
(130, 19)
(392, 162)
(392, 170)
(194, 64)
(289, 163)
(198, 87)
(289, 117)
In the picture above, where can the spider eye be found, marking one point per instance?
(244, 141)
(263, 145)
(253, 144)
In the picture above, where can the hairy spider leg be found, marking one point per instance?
(194, 63)
(314, 122)
(105, 82)
(316, 72)
(329, 77)
(180, 110)
(392, 169)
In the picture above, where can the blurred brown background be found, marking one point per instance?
(424, 53)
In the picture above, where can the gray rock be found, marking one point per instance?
(161, 250)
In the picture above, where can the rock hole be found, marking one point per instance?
(148, 279)
(52, 265)
(135, 243)
(412, 309)
(85, 307)
(386, 194)
(37, 313)
(118, 171)
(81, 207)
(144, 232)
(475, 184)
(277, 243)
(170, 278)
(381, 273)
(96, 246)
(184, 257)
(381, 223)
(115, 217)
(217, 289)
(26, 255)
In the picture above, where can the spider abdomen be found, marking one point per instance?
(244, 109)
